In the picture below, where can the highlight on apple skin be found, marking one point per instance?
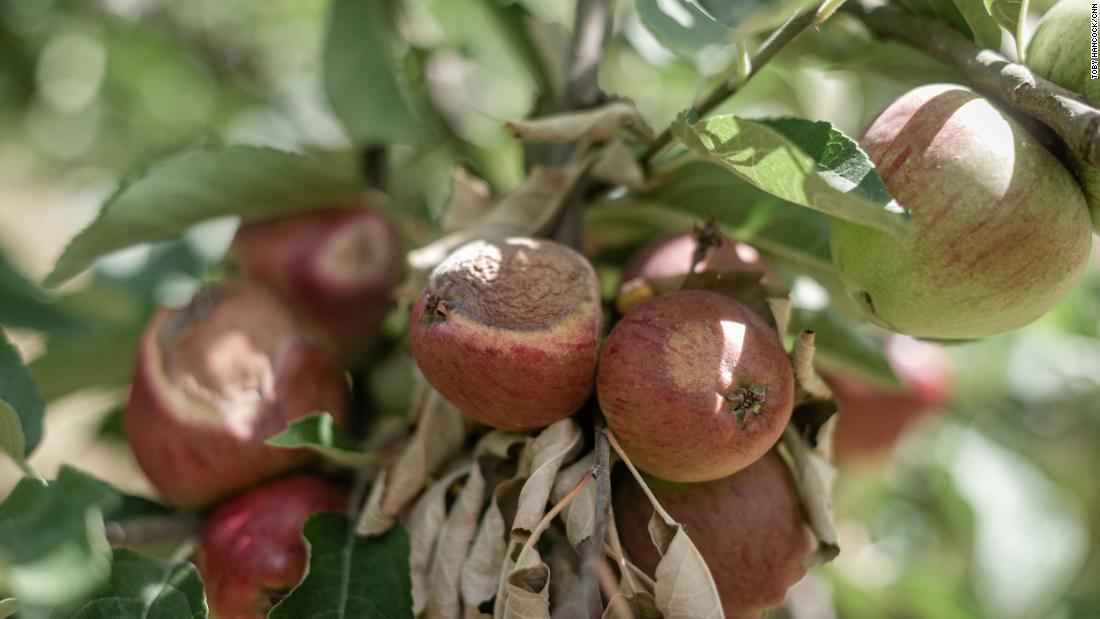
(252, 550)
(335, 266)
(748, 527)
(999, 230)
(871, 419)
(509, 331)
(671, 256)
(213, 381)
(695, 386)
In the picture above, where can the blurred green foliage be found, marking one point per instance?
(990, 510)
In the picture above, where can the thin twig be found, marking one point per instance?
(592, 26)
(768, 49)
(1065, 112)
(592, 554)
(550, 515)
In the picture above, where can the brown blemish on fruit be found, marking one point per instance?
(517, 284)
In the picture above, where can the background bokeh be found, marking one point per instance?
(991, 509)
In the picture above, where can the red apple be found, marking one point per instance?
(252, 550)
(216, 379)
(334, 266)
(671, 256)
(748, 527)
(871, 419)
(509, 331)
(695, 386)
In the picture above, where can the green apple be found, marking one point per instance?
(1060, 50)
(999, 229)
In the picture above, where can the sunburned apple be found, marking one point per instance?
(695, 386)
(1059, 50)
(216, 379)
(999, 229)
(871, 419)
(748, 527)
(335, 266)
(252, 551)
(509, 331)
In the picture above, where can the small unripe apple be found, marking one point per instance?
(671, 256)
(217, 378)
(695, 386)
(334, 266)
(252, 550)
(509, 331)
(1059, 50)
(748, 527)
(870, 418)
(999, 229)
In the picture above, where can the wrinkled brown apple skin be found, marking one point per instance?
(509, 331)
(671, 256)
(748, 527)
(695, 386)
(252, 547)
(216, 379)
(872, 419)
(335, 266)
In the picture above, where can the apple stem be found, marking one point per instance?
(638, 477)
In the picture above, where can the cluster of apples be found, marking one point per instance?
(217, 378)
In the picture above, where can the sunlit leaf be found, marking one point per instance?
(19, 398)
(143, 587)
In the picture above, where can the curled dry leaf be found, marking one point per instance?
(638, 606)
(594, 125)
(617, 165)
(684, 585)
(781, 313)
(564, 565)
(457, 534)
(469, 200)
(482, 569)
(815, 475)
(809, 385)
(580, 514)
(554, 447)
(528, 589)
(439, 434)
(425, 521)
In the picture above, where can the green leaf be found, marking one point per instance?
(841, 347)
(754, 15)
(683, 26)
(8, 607)
(985, 28)
(64, 367)
(319, 432)
(22, 304)
(142, 587)
(801, 161)
(200, 184)
(349, 576)
(360, 75)
(53, 549)
(1010, 15)
(12, 441)
(20, 397)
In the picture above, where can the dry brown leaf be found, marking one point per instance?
(439, 434)
(580, 515)
(802, 360)
(638, 606)
(481, 571)
(425, 521)
(684, 586)
(505, 569)
(595, 125)
(781, 312)
(815, 475)
(618, 165)
(458, 531)
(554, 447)
(469, 200)
(564, 565)
(528, 589)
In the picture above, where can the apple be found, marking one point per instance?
(999, 229)
(671, 256)
(1059, 50)
(335, 266)
(695, 386)
(213, 381)
(509, 331)
(870, 418)
(252, 550)
(748, 527)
